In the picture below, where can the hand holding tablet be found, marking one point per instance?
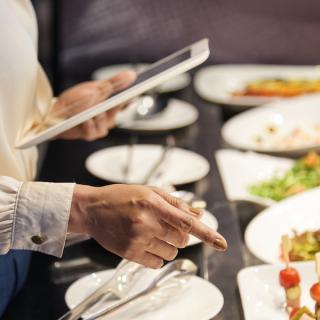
(151, 77)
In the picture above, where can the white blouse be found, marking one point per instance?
(33, 215)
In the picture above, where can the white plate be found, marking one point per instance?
(188, 304)
(239, 170)
(263, 298)
(217, 83)
(285, 115)
(178, 114)
(175, 84)
(180, 166)
(264, 232)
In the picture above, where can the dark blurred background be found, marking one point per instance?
(79, 36)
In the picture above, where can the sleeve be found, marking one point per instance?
(34, 215)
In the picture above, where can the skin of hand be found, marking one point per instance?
(139, 223)
(86, 95)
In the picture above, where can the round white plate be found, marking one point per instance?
(178, 114)
(177, 83)
(262, 296)
(180, 166)
(187, 304)
(217, 83)
(242, 130)
(264, 232)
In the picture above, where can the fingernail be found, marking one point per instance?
(197, 211)
(220, 244)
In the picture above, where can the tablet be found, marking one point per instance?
(156, 74)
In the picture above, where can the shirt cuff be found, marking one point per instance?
(41, 217)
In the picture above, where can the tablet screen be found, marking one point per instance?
(161, 67)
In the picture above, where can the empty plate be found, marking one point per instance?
(179, 167)
(177, 114)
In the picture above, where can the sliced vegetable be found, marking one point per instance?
(304, 175)
(302, 311)
(315, 292)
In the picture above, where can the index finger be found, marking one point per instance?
(189, 224)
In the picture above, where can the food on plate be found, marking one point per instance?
(304, 175)
(300, 136)
(275, 87)
(305, 245)
(289, 278)
(302, 314)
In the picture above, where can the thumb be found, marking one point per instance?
(120, 81)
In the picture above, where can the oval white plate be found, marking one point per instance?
(239, 170)
(263, 298)
(178, 114)
(217, 83)
(175, 84)
(186, 305)
(180, 166)
(264, 232)
(241, 130)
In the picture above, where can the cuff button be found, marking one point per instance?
(38, 239)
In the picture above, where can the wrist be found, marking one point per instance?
(79, 221)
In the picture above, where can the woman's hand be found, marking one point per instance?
(86, 95)
(143, 224)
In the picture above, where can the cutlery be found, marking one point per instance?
(170, 143)
(124, 278)
(178, 269)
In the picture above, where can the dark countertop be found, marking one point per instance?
(43, 295)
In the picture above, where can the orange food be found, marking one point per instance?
(289, 278)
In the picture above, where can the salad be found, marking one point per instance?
(304, 175)
(304, 245)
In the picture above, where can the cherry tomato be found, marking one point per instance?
(289, 277)
(315, 292)
(293, 312)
